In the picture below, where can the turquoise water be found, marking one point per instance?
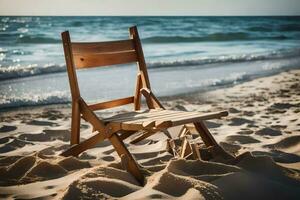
(184, 54)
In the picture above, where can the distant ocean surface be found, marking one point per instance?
(184, 54)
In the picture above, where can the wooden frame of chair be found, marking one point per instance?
(85, 55)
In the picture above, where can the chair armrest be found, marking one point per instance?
(152, 101)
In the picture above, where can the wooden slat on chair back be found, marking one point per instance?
(98, 54)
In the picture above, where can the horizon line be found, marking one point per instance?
(280, 15)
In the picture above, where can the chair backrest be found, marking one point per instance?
(96, 54)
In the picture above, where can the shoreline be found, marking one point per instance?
(186, 95)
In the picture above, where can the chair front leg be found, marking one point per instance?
(76, 149)
(205, 134)
(210, 142)
(75, 123)
(127, 158)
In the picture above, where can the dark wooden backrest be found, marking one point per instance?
(99, 54)
(86, 55)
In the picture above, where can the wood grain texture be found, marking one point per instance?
(132, 167)
(137, 95)
(99, 60)
(111, 104)
(102, 47)
(75, 123)
(134, 35)
(70, 65)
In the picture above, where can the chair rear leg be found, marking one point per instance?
(209, 141)
(75, 123)
(132, 167)
(205, 134)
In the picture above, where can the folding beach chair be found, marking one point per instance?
(121, 126)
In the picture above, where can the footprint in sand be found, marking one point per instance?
(5, 161)
(41, 123)
(245, 132)
(279, 156)
(211, 124)
(13, 145)
(285, 143)
(4, 140)
(275, 111)
(268, 132)
(52, 150)
(47, 135)
(86, 156)
(278, 126)
(249, 113)
(52, 115)
(5, 128)
(282, 105)
(108, 158)
(231, 148)
(242, 139)
(240, 121)
(297, 110)
(234, 110)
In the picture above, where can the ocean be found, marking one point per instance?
(183, 54)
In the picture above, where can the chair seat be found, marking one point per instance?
(159, 118)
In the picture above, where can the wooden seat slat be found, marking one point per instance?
(162, 117)
(175, 117)
(142, 116)
(130, 115)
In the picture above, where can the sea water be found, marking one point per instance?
(183, 54)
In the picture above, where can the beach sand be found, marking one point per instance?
(262, 130)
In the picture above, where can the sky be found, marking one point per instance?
(149, 7)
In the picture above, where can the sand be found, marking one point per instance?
(262, 130)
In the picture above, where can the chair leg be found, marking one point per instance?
(132, 167)
(205, 134)
(76, 149)
(209, 141)
(75, 123)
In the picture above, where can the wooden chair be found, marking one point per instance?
(121, 126)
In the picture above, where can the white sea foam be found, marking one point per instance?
(56, 97)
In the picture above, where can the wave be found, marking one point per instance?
(289, 27)
(227, 59)
(260, 29)
(18, 71)
(37, 40)
(63, 97)
(56, 97)
(215, 37)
